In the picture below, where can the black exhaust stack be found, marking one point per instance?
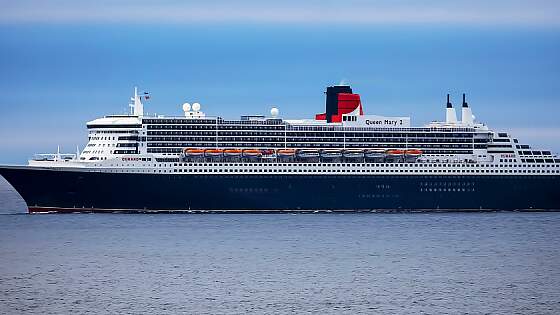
(449, 105)
(465, 102)
(332, 99)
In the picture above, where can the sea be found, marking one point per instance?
(399, 263)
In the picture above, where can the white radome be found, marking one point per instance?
(196, 107)
(186, 107)
(274, 112)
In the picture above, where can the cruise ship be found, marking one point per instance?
(341, 160)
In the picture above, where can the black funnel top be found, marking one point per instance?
(448, 102)
(464, 102)
(332, 99)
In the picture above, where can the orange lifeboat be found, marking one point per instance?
(286, 152)
(232, 152)
(193, 152)
(395, 152)
(213, 152)
(251, 153)
(413, 152)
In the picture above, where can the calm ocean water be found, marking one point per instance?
(498, 263)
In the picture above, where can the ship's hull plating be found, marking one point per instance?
(73, 191)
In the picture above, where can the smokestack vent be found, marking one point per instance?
(467, 116)
(450, 115)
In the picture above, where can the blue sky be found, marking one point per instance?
(63, 63)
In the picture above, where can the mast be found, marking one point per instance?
(137, 108)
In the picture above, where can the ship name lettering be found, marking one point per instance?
(382, 122)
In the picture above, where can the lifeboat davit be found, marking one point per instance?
(268, 154)
(412, 155)
(252, 153)
(286, 153)
(331, 153)
(194, 152)
(307, 153)
(213, 153)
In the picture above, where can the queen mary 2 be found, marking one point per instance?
(343, 160)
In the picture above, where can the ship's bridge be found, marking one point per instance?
(116, 134)
(115, 121)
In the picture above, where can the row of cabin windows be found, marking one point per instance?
(312, 143)
(212, 121)
(417, 165)
(341, 171)
(377, 165)
(365, 171)
(178, 121)
(113, 131)
(308, 139)
(447, 189)
(212, 127)
(302, 134)
(535, 153)
(540, 161)
(268, 123)
(496, 146)
(299, 171)
(250, 135)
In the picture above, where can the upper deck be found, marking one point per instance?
(343, 126)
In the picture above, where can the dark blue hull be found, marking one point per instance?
(45, 190)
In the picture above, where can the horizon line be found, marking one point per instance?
(184, 14)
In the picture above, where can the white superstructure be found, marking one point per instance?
(358, 144)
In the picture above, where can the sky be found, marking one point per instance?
(63, 63)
